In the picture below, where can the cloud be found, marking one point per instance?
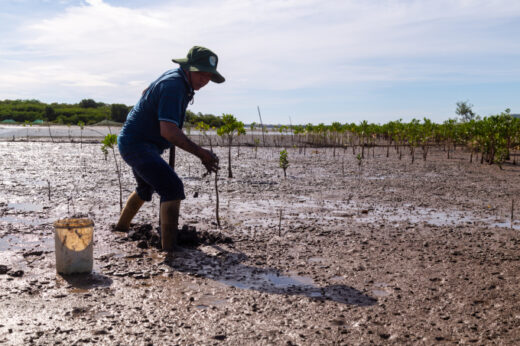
(265, 45)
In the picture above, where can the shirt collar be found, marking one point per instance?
(183, 74)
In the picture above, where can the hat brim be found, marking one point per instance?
(216, 76)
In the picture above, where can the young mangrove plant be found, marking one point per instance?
(203, 128)
(284, 162)
(359, 160)
(257, 142)
(27, 123)
(231, 128)
(252, 128)
(110, 141)
(81, 125)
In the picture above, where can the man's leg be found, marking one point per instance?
(136, 200)
(161, 178)
(169, 224)
(131, 208)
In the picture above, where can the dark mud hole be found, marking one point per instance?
(146, 236)
(389, 253)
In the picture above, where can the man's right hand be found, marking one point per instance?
(209, 160)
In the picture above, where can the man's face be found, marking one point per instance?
(199, 79)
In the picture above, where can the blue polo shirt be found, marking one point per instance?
(166, 99)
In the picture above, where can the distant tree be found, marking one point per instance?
(49, 113)
(88, 103)
(464, 111)
(118, 112)
(81, 125)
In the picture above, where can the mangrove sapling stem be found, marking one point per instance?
(280, 224)
(217, 200)
(49, 189)
(119, 180)
(261, 124)
(110, 141)
(50, 134)
(512, 211)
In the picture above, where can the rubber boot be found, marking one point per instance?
(131, 208)
(169, 224)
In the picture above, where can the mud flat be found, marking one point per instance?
(389, 253)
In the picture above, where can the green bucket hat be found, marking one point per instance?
(201, 59)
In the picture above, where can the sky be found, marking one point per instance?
(299, 61)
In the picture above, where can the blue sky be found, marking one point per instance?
(307, 60)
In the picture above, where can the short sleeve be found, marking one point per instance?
(170, 103)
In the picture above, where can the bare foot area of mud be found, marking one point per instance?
(386, 253)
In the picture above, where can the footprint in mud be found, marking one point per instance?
(225, 267)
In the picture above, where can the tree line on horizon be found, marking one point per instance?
(492, 137)
(87, 111)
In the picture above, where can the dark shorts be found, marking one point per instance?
(153, 174)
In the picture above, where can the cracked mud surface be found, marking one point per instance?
(392, 253)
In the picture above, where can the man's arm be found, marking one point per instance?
(175, 136)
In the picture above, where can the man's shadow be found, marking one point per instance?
(226, 268)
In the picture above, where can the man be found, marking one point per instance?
(153, 125)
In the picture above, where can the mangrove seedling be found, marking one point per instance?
(231, 128)
(284, 162)
(359, 160)
(257, 142)
(70, 135)
(25, 123)
(110, 141)
(203, 128)
(81, 125)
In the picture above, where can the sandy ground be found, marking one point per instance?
(386, 253)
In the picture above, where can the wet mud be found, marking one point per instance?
(388, 252)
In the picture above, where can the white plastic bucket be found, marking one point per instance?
(74, 245)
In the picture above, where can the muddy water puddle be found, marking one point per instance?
(327, 208)
(381, 289)
(13, 242)
(433, 217)
(25, 213)
(29, 222)
(208, 301)
(26, 207)
(269, 280)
